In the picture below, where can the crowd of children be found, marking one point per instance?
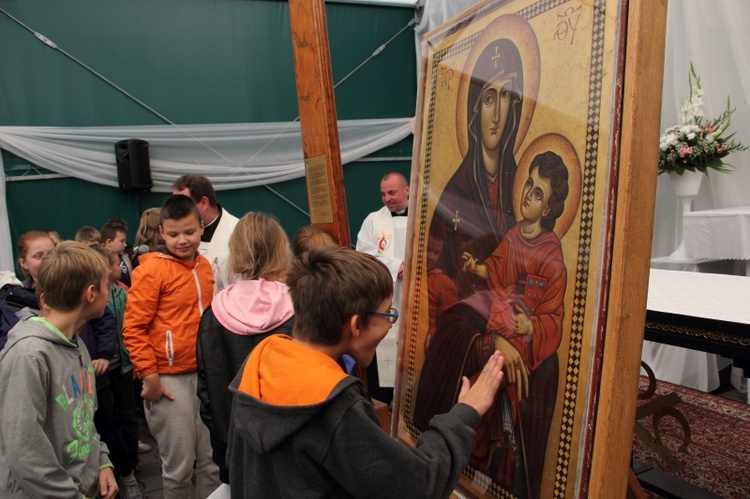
(94, 327)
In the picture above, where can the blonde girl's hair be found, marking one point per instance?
(148, 229)
(259, 248)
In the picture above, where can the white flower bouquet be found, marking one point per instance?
(697, 145)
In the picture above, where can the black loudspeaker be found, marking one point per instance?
(133, 166)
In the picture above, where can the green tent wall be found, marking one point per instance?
(193, 61)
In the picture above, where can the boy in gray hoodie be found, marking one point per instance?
(302, 427)
(48, 443)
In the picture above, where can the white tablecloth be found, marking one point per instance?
(712, 296)
(722, 234)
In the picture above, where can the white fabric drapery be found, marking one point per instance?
(6, 257)
(713, 36)
(232, 156)
(435, 13)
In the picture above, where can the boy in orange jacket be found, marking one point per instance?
(170, 290)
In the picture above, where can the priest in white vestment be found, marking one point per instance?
(383, 235)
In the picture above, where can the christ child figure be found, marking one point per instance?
(527, 275)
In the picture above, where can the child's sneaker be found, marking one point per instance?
(130, 487)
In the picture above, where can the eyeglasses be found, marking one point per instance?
(391, 316)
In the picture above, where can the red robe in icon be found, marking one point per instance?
(512, 436)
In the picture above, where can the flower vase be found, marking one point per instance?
(686, 187)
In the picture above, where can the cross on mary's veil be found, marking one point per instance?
(496, 56)
(455, 221)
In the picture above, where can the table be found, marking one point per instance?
(699, 311)
(722, 234)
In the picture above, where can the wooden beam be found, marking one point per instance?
(320, 136)
(636, 193)
(317, 110)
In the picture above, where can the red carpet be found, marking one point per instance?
(718, 457)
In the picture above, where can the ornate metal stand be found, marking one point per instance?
(658, 408)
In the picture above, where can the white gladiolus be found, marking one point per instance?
(693, 142)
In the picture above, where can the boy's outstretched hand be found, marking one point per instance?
(482, 394)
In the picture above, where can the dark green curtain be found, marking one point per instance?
(193, 61)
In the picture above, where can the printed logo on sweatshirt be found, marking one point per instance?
(78, 397)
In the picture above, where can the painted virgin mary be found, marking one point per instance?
(475, 209)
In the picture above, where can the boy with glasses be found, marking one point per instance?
(302, 427)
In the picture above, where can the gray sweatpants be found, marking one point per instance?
(182, 438)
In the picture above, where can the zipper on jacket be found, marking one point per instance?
(170, 348)
(200, 294)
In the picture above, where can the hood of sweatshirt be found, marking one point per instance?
(283, 378)
(35, 328)
(253, 306)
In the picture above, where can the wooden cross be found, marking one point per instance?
(324, 176)
(455, 221)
